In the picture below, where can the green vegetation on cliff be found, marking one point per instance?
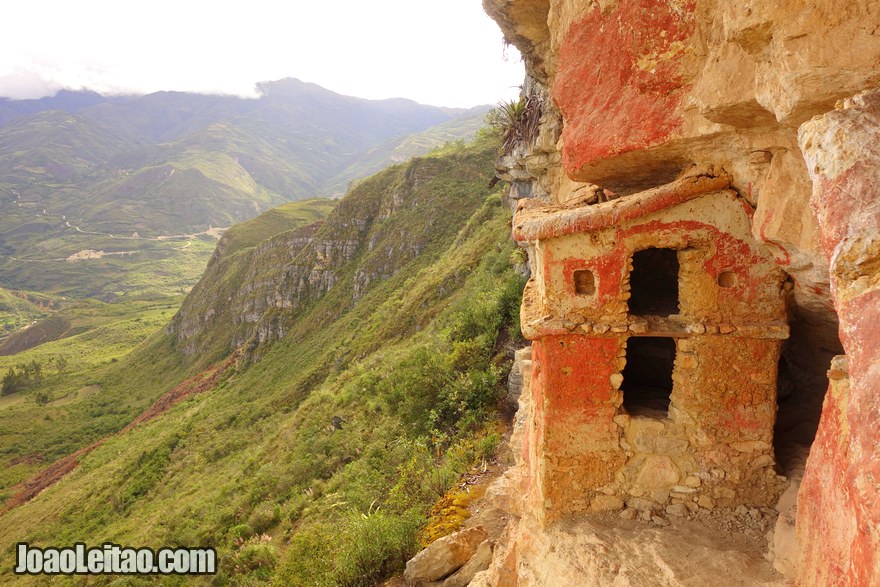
(91, 387)
(373, 361)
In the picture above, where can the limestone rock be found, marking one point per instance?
(658, 472)
(842, 150)
(477, 563)
(519, 371)
(677, 553)
(656, 91)
(481, 579)
(443, 557)
(504, 495)
(603, 503)
(784, 553)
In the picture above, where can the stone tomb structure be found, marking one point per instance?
(656, 322)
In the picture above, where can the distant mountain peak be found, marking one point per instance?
(288, 86)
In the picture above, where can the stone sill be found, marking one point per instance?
(671, 326)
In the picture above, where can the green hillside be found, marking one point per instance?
(364, 385)
(77, 343)
(399, 149)
(81, 172)
(19, 309)
(64, 409)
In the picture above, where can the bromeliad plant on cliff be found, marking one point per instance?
(318, 463)
(518, 122)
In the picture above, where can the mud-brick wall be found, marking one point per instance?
(715, 449)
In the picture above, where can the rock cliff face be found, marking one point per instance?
(839, 514)
(251, 297)
(637, 94)
(235, 291)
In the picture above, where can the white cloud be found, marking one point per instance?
(20, 84)
(446, 53)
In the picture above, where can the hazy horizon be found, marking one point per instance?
(258, 93)
(450, 55)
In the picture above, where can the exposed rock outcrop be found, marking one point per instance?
(251, 297)
(839, 502)
(234, 292)
(444, 557)
(638, 94)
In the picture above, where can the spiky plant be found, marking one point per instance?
(518, 121)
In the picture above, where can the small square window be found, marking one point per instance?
(584, 282)
(727, 279)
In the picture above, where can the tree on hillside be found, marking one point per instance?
(21, 377)
(60, 364)
(13, 382)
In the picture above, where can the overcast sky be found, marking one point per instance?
(442, 52)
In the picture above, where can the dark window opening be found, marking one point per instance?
(647, 377)
(584, 282)
(653, 282)
(802, 382)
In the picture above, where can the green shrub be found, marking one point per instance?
(376, 546)
(308, 561)
(413, 387)
(264, 516)
(255, 556)
(241, 532)
(487, 445)
(147, 471)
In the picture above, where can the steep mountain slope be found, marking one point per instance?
(381, 355)
(81, 172)
(77, 347)
(18, 309)
(379, 227)
(399, 149)
(53, 147)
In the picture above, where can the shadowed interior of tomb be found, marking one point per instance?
(647, 377)
(584, 283)
(654, 282)
(803, 381)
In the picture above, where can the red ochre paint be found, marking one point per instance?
(619, 80)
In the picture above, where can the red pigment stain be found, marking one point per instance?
(539, 351)
(845, 204)
(619, 80)
(607, 268)
(782, 256)
(576, 373)
(840, 481)
(728, 254)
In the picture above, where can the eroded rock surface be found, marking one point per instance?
(640, 95)
(839, 503)
(444, 557)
